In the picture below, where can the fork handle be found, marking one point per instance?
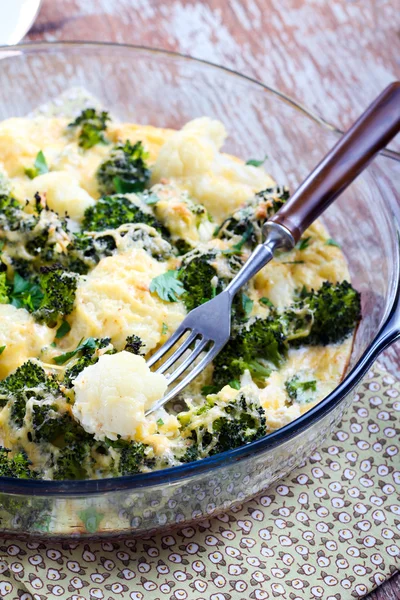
(375, 128)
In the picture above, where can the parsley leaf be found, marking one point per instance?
(267, 302)
(235, 384)
(164, 328)
(25, 294)
(247, 305)
(62, 358)
(256, 163)
(160, 422)
(331, 242)
(39, 166)
(2, 348)
(209, 389)
(64, 328)
(167, 286)
(303, 243)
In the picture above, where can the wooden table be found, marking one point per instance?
(333, 56)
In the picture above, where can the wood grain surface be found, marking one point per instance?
(332, 56)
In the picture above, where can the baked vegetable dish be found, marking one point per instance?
(109, 234)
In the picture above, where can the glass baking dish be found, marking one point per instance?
(167, 90)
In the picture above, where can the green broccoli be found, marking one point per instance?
(327, 315)
(92, 126)
(134, 345)
(71, 460)
(218, 426)
(196, 274)
(112, 211)
(10, 213)
(300, 391)
(200, 275)
(27, 382)
(88, 355)
(17, 465)
(4, 286)
(248, 221)
(125, 170)
(85, 252)
(248, 349)
(48, 424)
(59, 288)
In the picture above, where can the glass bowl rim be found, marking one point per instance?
(93, 487)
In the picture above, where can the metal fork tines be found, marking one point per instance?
(203, 336)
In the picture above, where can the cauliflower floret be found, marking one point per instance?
(111, 396)
(63, 193)
(192, 159)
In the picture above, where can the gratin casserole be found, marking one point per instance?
(132, 247)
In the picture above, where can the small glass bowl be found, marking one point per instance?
(167, 90)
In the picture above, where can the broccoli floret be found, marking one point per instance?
(248, 348)
(112, 211)
(196, 274)
(15, 466)
(48, 424)
(86, 251)
(4, 287)
(92, 126)
(59, 288)
(88, 355)
(328, 315)
(134, 344)
(300, 391)
(10, 213)
(125, 170)
(132, 458)
(218, 426)
(70, 462)
(28, 381)
(248, 221)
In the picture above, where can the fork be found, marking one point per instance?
(208, 327)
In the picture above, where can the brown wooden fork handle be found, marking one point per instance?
(356, 148)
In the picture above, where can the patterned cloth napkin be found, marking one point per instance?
(330, 531)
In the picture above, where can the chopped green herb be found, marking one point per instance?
(267, 302)
(235, 384)
(64, 328)
(39, 166)
(247, 304)
(2, 348)
(150, 199)
(164, 328)
(63, 358)
(331, 242)
(256, 163)
(206, 390)
(167, 286)
(25, 294)
(160, 422)
(303, 243)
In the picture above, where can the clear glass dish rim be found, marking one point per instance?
(94, 487)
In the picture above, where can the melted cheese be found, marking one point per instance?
(114, 301)
(22, 337)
